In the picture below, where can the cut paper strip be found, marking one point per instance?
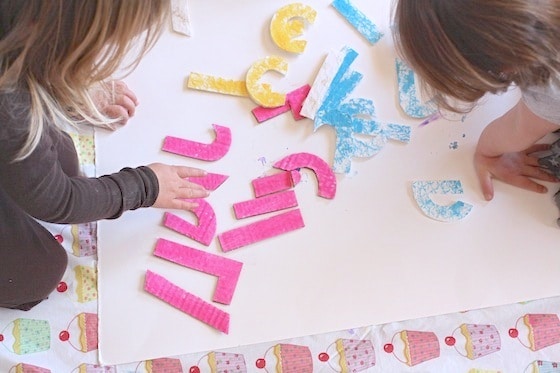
(275, 183)
(261, 230)
(325, 177)
(197, 150)
(329, 105)
(226, 270)
(180, 19)
(288, 24)
(270, 203)
(262, 93)
(408, 93)
(184, 301)
(203, 232)
(294, 102)
(322, 83)
(423, 190)
(216, 84)
(210, 181)
(358, 20)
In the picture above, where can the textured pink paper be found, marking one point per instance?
(261, 230)
(190, 304)
(296, 98)
(294, 102)
(275, 183)
(227, 270)
(325, 176)
(210, 181)
(207, 152)
(203, 232)
(263, 114)
(263, 205)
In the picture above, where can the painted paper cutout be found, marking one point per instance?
(408, 96)
(456, 211)
(226, 270)
(275, 183)
(216, 84)
(210, 181)
(190, 304)
(288, 23)
(270, 203)
(296, 99)
(358, 20)
(261, 230)
(349, 117)
(203, 232)
(206, 152)
(180, 19)
(294, 102)
(325, 176)
(262, 93)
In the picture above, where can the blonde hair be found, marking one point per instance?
(462, 49)
(59, 49)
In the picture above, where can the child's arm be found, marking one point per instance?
(505, 147)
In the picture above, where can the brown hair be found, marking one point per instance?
(462, 49)
(58, 49)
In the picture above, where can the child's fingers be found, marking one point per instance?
(184, 172)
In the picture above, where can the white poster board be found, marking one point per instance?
(368, 256)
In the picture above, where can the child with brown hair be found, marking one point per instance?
(463, 49)
(54, 59)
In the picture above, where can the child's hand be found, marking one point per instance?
(517, 169)
(174, 188)
(116, 100)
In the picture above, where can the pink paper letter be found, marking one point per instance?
(275, 183)
(192, 149)
(261, 230)
(210, 181)
(206, 229)
(325, 176)
(263, 205)
(227, 270)
(190, 304)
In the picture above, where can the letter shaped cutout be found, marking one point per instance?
(203, 232)
(206, 152)
(456, 211)
(287, 24)
(262, 93)
(325, 176)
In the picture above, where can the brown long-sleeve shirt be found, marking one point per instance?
(47, 186)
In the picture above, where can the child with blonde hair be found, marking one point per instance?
(56, 61)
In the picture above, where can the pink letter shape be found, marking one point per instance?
(227, 270)
(294, 102)
(263, 205)
(325, 176)
(186, 302)
(192, 149)
(261, 230)
(210, 181)
(206, 229)
(275, 183)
